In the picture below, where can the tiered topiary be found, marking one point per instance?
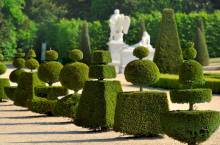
(48, 72)
(97, 104)
(191, 126)
(138, 113)
(168, 55)
(18, 63)
(31, 63)
(200, 44)
(73, 76)
(3, 82)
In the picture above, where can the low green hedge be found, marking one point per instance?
(97, 104)
(3, 83)
(50, 92)
(42, 105)
(190, 126)
(191, 96)
(168, 81)
(67, 106)
(10, 92)
(138, 113)
(102, 71)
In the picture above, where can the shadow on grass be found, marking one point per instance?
(102, 140)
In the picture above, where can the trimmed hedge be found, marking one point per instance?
(42, 105)
(32, 64)
(138, 113)
(141, 52)
(51, 55)
(75, 55)
(19, 63)
(102, 71)
(190, 126)
(97, 104)
(191, 96)
(67, 106)
(14, 75)
(3, 83)
(25, 90)
(10, 92)
(50, 92)
(101, 57)
(3, 68)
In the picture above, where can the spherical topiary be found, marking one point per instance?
(1, 57)
(31, 54)
(3, 68)
(191, 72)
(142, 72)
(32, 64)
(49, 72)
(74, 75)
(19, 63)
(51, 55)
(190, 52)
(76, 55)
(141, 52)
(19, 53)
(14, 76)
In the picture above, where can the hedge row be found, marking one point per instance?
(168, 81)
(64, 34)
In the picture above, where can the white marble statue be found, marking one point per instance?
(119, 25)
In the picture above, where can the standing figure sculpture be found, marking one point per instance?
(119, 25)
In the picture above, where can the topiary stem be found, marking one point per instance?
(191, 106)
(141, 88)
(192, 143)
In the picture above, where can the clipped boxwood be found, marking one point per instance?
(25, 90)
(51, 55)
(191, 96)
(3, 83)
(3, 68)
(190, 127)
(14, 75)
(76, 55)
(97, 104)
(42, 105)
(19, 63)
(67, 106)
(10, 92)
(102, 71)
(141, 52)
(32, 64)
(50, 92)
(101, 57)
(138, 113)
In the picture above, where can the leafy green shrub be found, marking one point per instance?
(25, 90)
(102, 71)
(51, 92)
(141, 52)
(134, 112)
(97, 104)
(32, 64)
(49, 72)
(191, 96)
(168, 55)
(190, 52)
(200, 44)
(3, 83)
(19, 63)
(190, 127)
(1, 57)
(67, 106)
(31, 54)
(101, 57)
(42, 105)
(10, 92)
(191, 73)
(51, 55)
(74, 75)
(14, 75)
(76, 55)
(3, 68)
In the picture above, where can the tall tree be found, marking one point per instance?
(85, 43)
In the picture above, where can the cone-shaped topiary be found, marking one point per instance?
(168, 55)
(3, 82)
(49, 71)
(31, 63)
(130, 117)
(200, 44)
(96, 108)
(85, 43)
(191, 126)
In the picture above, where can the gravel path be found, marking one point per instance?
(21, 127)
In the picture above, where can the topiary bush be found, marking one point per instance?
(51, 55)
(10, 92)
(190, 52)
(14, 76)
(168, 54)
(138, 113)
(96, 109)
(19, 63)
(31, 63)
(67, 106)
(75, 55)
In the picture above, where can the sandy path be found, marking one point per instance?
(21, 127)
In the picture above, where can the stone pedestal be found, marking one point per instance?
(115, 48)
